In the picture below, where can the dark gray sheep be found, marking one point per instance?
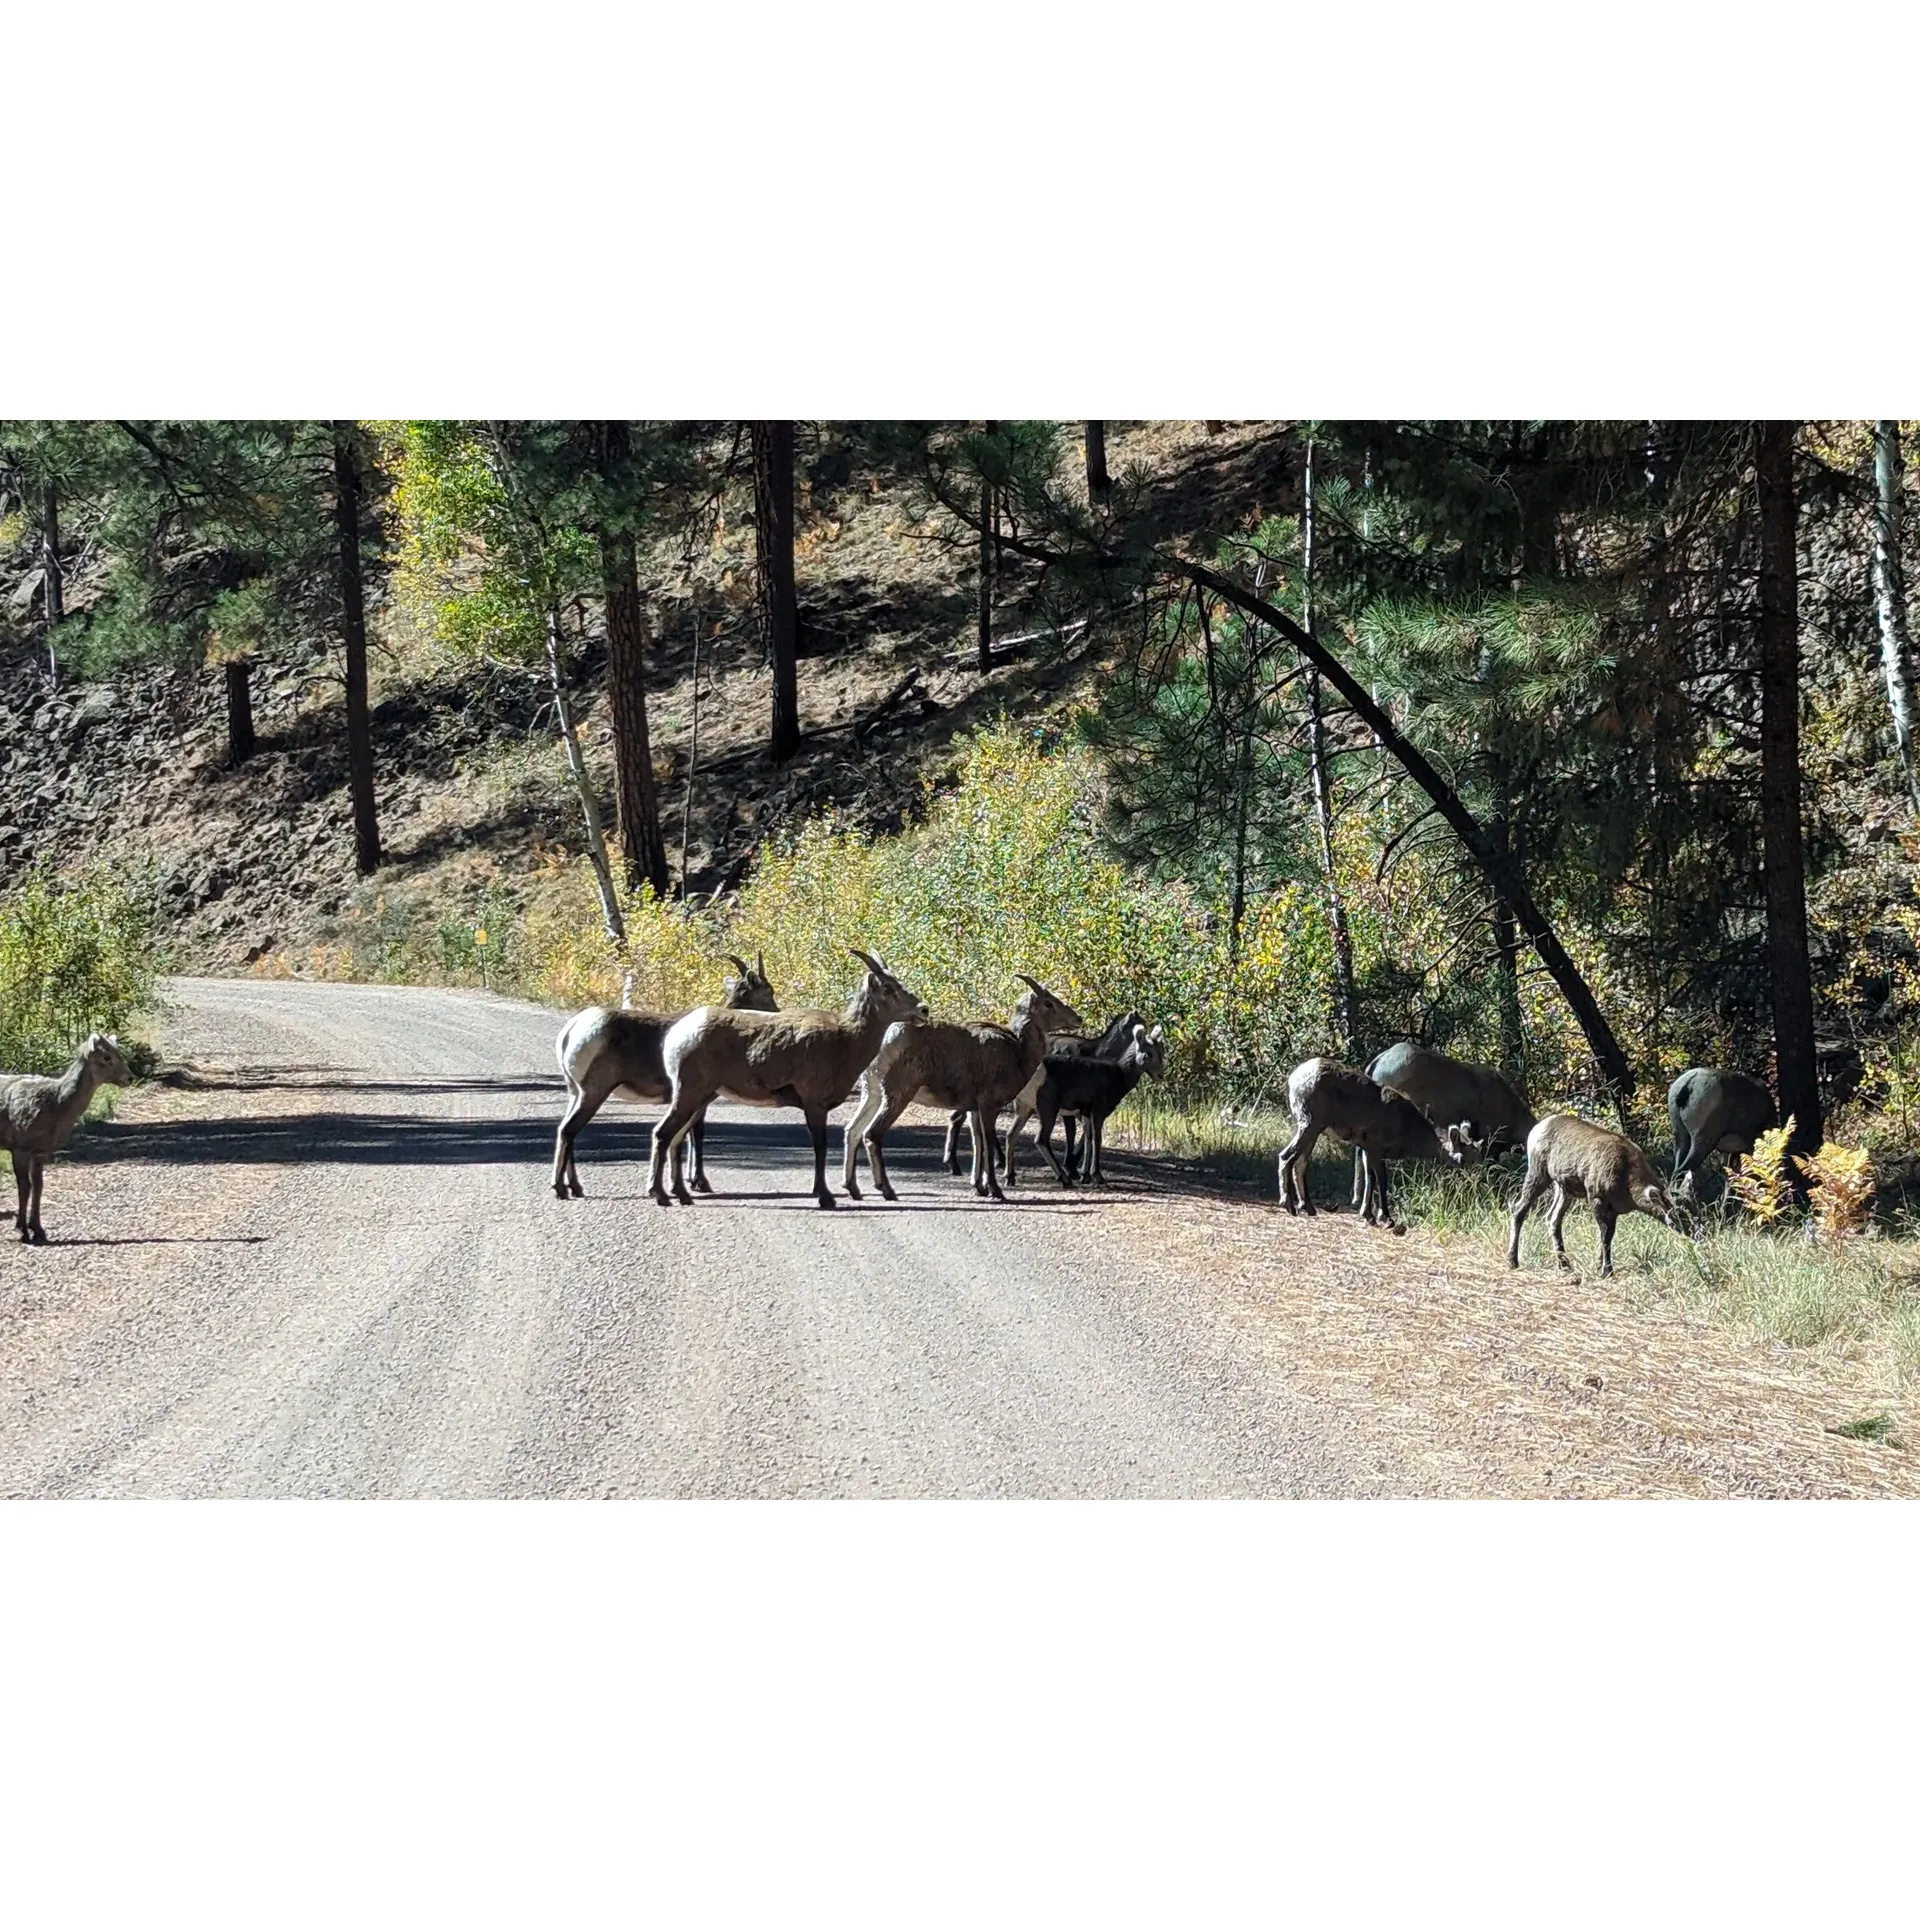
(1714, 1111)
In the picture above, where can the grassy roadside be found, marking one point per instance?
(1858, 1298)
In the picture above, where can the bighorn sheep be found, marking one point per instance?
(972, 1065)
(808, 1059)
(1714, 1112)
(609, 1050)
(1447, 1091)
(1327, 1096)
(1109, 1044)
(1090, 1090)
(1579, 1160)
(38, 1112)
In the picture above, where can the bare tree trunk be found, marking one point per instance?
(53, 587)
(1346, 995)
(989, 531)
(1780, 799)
(582, 784)
(1500, 871)
(773, 543)
(1506, 952)
(353, 626)
(1890, 596)
(239, 712)
(1098, 485)
(643, 851)
(693, 750)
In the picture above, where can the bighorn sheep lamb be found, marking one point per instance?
(1579, 1160)
(973, 1065)
(1327, 1096)
(38, 1112)
(1447, 1091)
(808, 1059)
(609, 1050)
(1090, 1090)
(1714, 1112)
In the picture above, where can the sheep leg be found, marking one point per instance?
(1605, 1218)
(1360, 1182)
(876, 1148)
(1021, 1115)
(583, 1106)
(1382, 1191)
(1294, 1157)
(986, 1178)
(1556, 1219)
(36, 1174)
(698, 1136)
(673, 1124)
(1047, 1113)
(1092, 1132)
(1687, 1165)
(22, 1219)
(950, 1150)
(1531, 1188)
(817, 1129)
(873, 1103)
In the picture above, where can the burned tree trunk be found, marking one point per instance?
(1890, 597)
(353, 627)
(773, 544)
(239, 712)
(1787, 957)
(989, 536)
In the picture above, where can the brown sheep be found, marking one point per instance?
(1327, 1096)
(1581, 1161)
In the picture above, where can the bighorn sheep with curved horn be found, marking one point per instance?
(808, 1059)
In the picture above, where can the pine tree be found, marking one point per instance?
(353, 629)
(773, 547)
(1890, 597)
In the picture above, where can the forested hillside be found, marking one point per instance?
(1583, 749)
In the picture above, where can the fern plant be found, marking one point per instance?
(1839, 1189)
(1762, 1184)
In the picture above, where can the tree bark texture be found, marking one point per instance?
(1098, 483)
(353, 627)
(53, 587)
(989, 530)
(643, 850)
(582, 783)
(239, 712)
(1499, 869)
(1890, 597)
(1788, 963)
(773, 544)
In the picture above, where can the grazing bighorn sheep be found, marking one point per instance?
(1447, 1091)
(609, 1050)
(1327, 1096)
(973, 1065)
(1090, 1090)
(808, 1059)
(38, 1112)
(1107, 1045)
(1579, 1160)
(1714, 1112)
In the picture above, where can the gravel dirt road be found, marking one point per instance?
(328, 1263)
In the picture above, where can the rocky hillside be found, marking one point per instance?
(256, 861)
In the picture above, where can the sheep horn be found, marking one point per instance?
(738, 965)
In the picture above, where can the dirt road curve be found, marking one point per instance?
(329, 1264)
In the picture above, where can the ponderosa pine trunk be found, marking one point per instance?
(53, 587)
(239, 676)
(989, 531)
(643, 848)
(773, 545)
(1098, 484)
(1780, 797)
(1890, 596)
(1506, 955)
(353, 627)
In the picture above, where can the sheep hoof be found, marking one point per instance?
(826, 1199)
(1399, 1229)
(38, 1237)
(887, 1193)
(701, 1184)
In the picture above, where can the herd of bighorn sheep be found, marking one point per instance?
(1410, 1102)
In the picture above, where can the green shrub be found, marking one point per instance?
(78, 952)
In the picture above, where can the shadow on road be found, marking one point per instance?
(306, 1079)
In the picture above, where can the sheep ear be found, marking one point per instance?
(760, 963)
(1154, 1033)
